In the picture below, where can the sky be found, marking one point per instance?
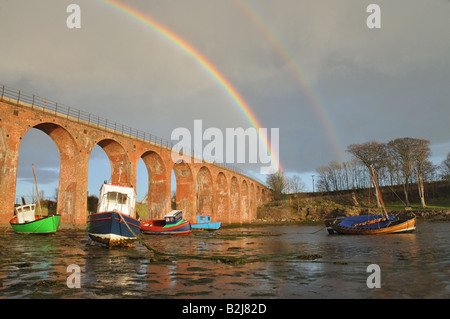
(312, 69)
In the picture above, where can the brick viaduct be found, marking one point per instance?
(227, 195)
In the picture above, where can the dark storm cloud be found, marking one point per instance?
(370, 84)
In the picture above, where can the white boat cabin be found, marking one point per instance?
(117, 198)
(25, 213)
(173, 217)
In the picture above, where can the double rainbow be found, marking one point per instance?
(252, 15)
(207, 65)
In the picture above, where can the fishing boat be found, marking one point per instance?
(204, 223)
(172, 224)
(373, 224)
(115, 223)
(26, 221)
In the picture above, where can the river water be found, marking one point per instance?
(286, 261)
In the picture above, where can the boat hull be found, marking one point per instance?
(42, 225)
(206, 226)
(155, 227)
(402, 223)
(113, 229)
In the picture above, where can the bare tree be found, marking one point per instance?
(323, 181)
(335, 175)
(430, 171)
(401, 161)
(446, 168)
(296, 186)
(420, 153)
(371, 154)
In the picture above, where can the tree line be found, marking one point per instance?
(402, 161)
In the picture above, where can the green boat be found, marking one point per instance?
(26, 222)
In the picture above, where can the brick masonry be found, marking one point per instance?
(227, 196)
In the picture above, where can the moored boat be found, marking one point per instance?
(373, 224)
(204, 223)
(115, 222)
(26, 221)
(172, 224)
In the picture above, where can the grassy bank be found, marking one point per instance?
(316, 207)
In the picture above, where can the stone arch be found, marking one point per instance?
(205, 191)
(245, 209)
(158, 194)
(118, 158)
(68, 190)
(222, 199)
(235, 205)
(186, 190)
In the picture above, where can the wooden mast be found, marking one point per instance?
(37, 192)
(378, 191)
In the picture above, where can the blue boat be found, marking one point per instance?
(115, 223)
(204, 223)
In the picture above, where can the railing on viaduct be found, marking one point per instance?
(100, 122)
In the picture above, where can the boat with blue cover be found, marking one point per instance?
(204, 223)
(172, 224)
(373, 224)
(115, 222)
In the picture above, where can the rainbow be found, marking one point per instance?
(313, 97)
(207, 65)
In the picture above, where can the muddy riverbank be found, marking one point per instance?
(271, 261)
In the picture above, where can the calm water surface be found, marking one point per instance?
(292, 261)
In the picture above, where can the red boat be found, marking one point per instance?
(172, 224)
